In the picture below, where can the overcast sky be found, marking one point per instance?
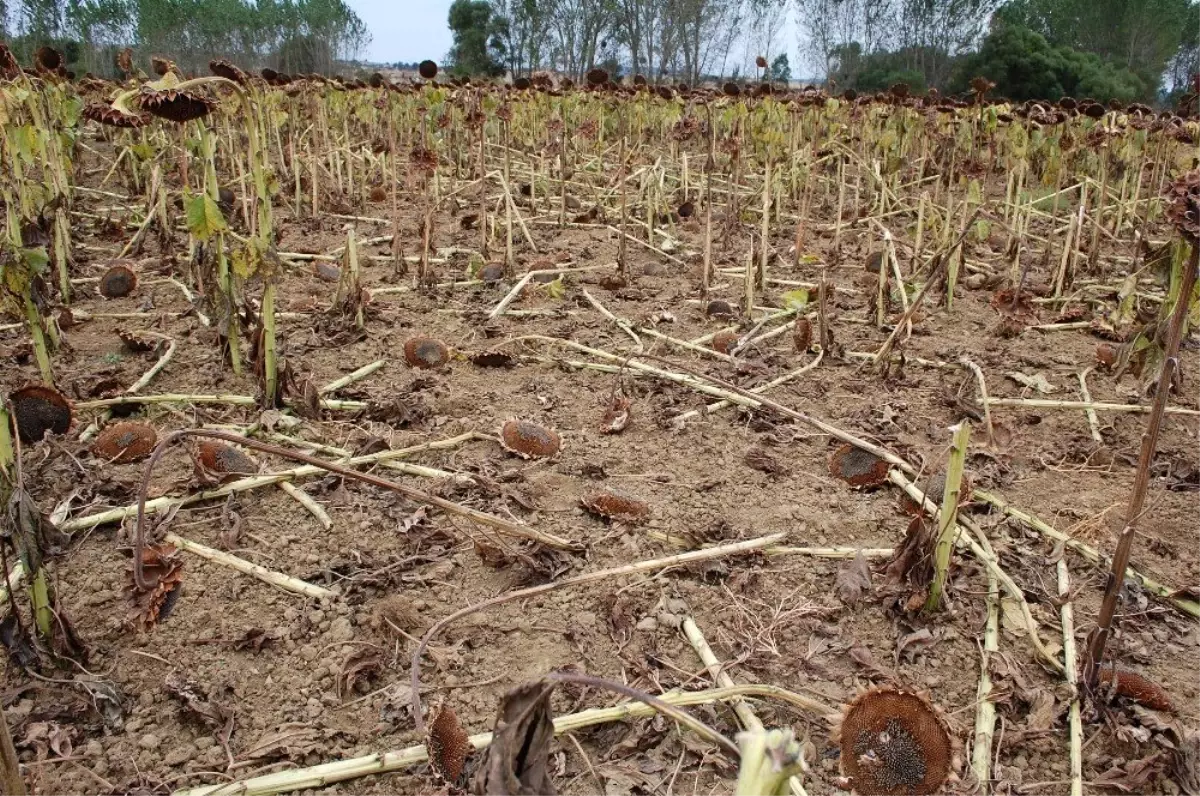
(405, 30)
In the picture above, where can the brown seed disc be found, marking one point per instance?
(857, 467)
(614, 506)
(1138, 689)
(724, 342)
(1106, 354)
(492, 272)
(125, 442)
(216, 460)
(529, 440)
(427, 69)
(378, 193)
(446, 742)
(118, 281)
(894, 742)
(687, 209)
(802, 335)
(327, 272)
(37, 410)
(719, 309)
(425, 352)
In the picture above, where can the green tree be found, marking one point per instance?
(781, 70)
(1141, 36)
(1024, 66)
(477, 48)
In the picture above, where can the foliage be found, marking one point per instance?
(781, 70)
(1024, 65)
(1142, 36)
(876, 71)
(477, 47)
(298, 35)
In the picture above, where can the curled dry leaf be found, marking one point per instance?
(616, 416)
(760, 460)
(163, 570)
(853, 580)
(518, 759)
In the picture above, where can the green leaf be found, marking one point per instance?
(37, 259)
(204, 218)
(795, 299)
(556, 289)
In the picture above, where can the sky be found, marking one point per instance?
(405, 30)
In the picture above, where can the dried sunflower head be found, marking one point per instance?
(9, 68)
(222, 68)
(177, 106)
(48, 59)
(1183, 205)
(894, 742)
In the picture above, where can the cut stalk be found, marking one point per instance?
(948, 514)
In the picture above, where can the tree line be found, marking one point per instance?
(1109, 49)
(288, 35)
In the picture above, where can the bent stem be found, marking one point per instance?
(1120, 561)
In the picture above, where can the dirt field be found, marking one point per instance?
(280, 681)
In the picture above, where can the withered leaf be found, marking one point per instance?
(253, 639)
(418, 517)
(1133, 776)
(517, 761)
(360, 665)
(759, 459)
(853, 580)
(911, 644)
(196, 702)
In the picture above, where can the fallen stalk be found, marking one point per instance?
(328, 774)
(590, 577)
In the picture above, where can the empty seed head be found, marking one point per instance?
(529, 440)
(725, 341)
(125, 442)
(426, 352)
(894, 742)
(38, 409)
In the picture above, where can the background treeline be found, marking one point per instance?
(289, 35)
(1107, 49)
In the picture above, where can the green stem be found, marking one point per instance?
(271, 375)
(948, 515)
(39, 595)
(40, 351)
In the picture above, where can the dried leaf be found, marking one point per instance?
(1133, 776)
(289, 741)
(418, 517)
(1035, 382)
(253, 639)
(361, 665)
(853, 580)
(759, 459)
(21, 650)
(197, 704)
(1042, 711)
(517, 761)
(914, 642)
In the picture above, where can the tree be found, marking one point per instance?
(1024, 66)
(1141, 36)
(781, 71)
(477, 47)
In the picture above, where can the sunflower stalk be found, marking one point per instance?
(948, 515)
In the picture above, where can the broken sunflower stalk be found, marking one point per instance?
(1184, 211)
